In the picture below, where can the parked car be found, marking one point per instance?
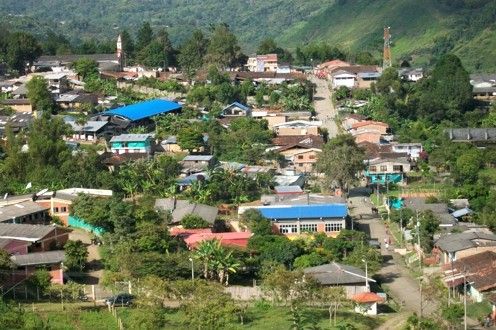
(122, 299)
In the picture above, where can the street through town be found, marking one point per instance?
(324, 107)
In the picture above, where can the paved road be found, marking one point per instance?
(324, 106)
(402, 287)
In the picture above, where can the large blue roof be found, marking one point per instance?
(142, 110)
(302, 212)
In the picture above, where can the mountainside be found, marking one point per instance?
(421, 28)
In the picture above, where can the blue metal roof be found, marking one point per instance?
(239, 105)
(142, 110)
(305, 211)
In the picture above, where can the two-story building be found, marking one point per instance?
(262, 63)
(132, 143)
(387, 170)
(413, 150)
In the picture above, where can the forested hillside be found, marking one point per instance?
(421, 28)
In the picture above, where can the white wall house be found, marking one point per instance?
(412, 149)
(343, 78)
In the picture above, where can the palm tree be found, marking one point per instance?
(205, 253)
(217, 260)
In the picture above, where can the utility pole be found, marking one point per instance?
(401, 224)
(420, 264)
(464, 299)
(386, 61)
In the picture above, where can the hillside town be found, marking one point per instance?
(204, 191)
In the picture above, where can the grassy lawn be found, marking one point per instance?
(259, 318)
(478, 310)
(73, 316)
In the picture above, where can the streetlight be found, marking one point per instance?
(366, 276)
(192, 269)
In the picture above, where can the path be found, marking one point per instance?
(324, 106)
(95, 267)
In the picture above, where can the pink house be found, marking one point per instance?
(27, 264)
(13, 246)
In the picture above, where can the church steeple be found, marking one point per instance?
(120, 52)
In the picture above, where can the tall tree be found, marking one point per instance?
(223, 49)
(39, 95)
(159, 52)
(144, 37)
(341, 160)
(192, 53)
(22, 49)
(86, 68)
(190, 138)
(127, 44)
(75, 255)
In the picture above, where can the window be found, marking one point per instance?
(397, 168)
(300, 157)
(332, 226)
(63, 209)
(384, 168)
(311, 157)
(56, 210)
(301, 164)
(372, 168)
(308, 227)
(288, 229)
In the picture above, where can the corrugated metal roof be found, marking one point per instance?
(89, 126)
(142, 110)
(24, 232)
(20, 209)
(288, 189)
(131, 137)
(39, 258)
(198, 158)
(305, 211)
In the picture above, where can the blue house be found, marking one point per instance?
(236, 109)
(131, 143)
(295, 219)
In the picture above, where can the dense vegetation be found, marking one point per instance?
(421, 29)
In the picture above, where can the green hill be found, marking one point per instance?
(422, 29)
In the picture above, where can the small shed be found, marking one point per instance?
(366, 302)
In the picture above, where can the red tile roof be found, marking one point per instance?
(367, 297)
(367, 123)
(237, 239)
(333, 64)
(312, 141)
(479, 269)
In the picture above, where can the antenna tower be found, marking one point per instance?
(386, 61)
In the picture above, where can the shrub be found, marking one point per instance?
(193, 221)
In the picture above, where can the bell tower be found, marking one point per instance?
(120, 52)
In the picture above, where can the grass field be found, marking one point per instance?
(81, 316)
(273, 318)
(85, 316)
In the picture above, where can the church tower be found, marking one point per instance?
(120, 52)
